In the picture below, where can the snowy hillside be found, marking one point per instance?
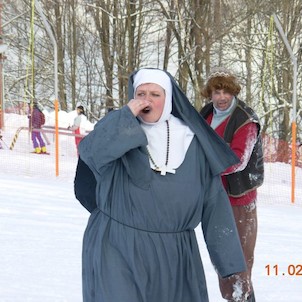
(42, 225)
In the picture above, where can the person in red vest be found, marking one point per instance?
(239, 126)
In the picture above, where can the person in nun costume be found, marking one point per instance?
(149, 173)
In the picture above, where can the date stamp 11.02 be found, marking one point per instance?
(289, 270)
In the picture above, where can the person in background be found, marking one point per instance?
(78, 126)
(149, 173)
(239, 126)
(0, 140)
(36, 121)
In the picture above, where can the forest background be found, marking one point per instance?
(100, 42)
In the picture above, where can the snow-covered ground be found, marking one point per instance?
(42, 225)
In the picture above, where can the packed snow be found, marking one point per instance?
(42, 226)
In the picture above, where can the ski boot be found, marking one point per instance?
(37, 150)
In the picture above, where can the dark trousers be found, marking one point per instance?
(239, 286)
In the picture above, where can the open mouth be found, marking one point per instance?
(146, 110)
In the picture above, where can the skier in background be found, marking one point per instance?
(36, 121)
(79, 124)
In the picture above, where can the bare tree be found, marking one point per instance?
(100, 42)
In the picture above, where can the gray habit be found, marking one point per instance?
(140, 244)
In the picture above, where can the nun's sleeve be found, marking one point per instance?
(113, 136)
(220, 231)
(84, 186)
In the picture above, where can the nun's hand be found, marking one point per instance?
(137, 105)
